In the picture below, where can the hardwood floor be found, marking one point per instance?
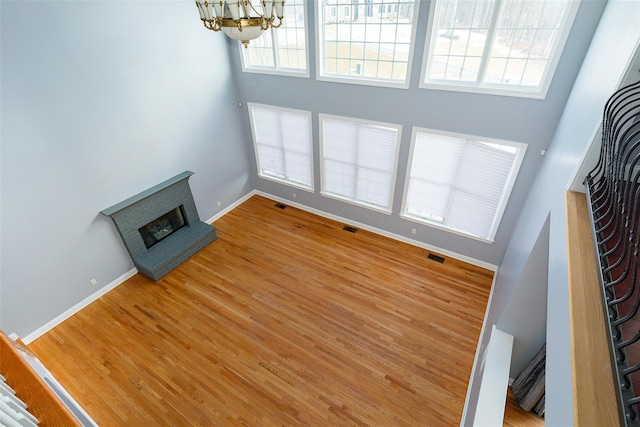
(515, 416)
(286, 319)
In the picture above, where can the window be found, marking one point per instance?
(492, 46)
(460, 183)
(282, 142)
(281, 50)
(359, 160)
(366, 43)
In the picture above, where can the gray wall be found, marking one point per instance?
(101, 100)
(612, 47)
(530, 121)
(525, 314)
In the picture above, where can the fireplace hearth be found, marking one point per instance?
(160, 227)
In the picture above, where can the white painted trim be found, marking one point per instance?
(322, 119)
(231, 207)
(493, 388)
(76, 308)
(288, 72)
(479, 351)
(380, 82)
(588, 160)
(46, 376)
(521, 149)
(381, 232)
(539, 92)
(591, 152)
(251, 108)
(91, 298)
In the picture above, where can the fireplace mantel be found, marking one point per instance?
(146, 193)
(141, 209)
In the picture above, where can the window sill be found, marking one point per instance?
(289, 183)
(486, 90)
(357, 203)
(445, 228)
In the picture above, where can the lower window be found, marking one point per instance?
(282, 142)
(460, 183)
(359, 160)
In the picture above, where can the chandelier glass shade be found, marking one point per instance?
(239, 19)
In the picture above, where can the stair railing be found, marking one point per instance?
(613, 195)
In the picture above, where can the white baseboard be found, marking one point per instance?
(230, 207)
(91, 298)
(381, 232)
(76, 308)
(493, 387)
(476, 358)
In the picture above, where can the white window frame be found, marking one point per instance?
(319, 33)
(498, 89)
(396, 127)
(277, 70)
(294, 184)
(517, 163)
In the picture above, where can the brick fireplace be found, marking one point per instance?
(161, 227)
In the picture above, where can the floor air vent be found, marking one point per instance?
(280, 206)
(349, 229)
(436, 258)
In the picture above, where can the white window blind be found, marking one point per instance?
(282, 140)
(460, 183)
(359, 161)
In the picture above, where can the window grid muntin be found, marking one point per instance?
(392, 65)
(559, 29)
(273, 40)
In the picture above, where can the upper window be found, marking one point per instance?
(280, 50)
(460, 183)
(492, 46)
(359, 160)
(366, 42)
(282, 142)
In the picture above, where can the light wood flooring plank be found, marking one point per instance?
(594, 391)
(286, 319)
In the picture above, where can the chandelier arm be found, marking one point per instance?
(243, 6)
(273, 25)
(252, 8)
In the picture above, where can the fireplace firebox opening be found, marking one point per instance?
(162, 227)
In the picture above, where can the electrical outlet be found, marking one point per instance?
(294, 195)
(218, 203)
(94, 282)
(413, 231)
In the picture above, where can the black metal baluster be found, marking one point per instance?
(613, 190)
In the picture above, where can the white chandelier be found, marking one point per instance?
(238, 19)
